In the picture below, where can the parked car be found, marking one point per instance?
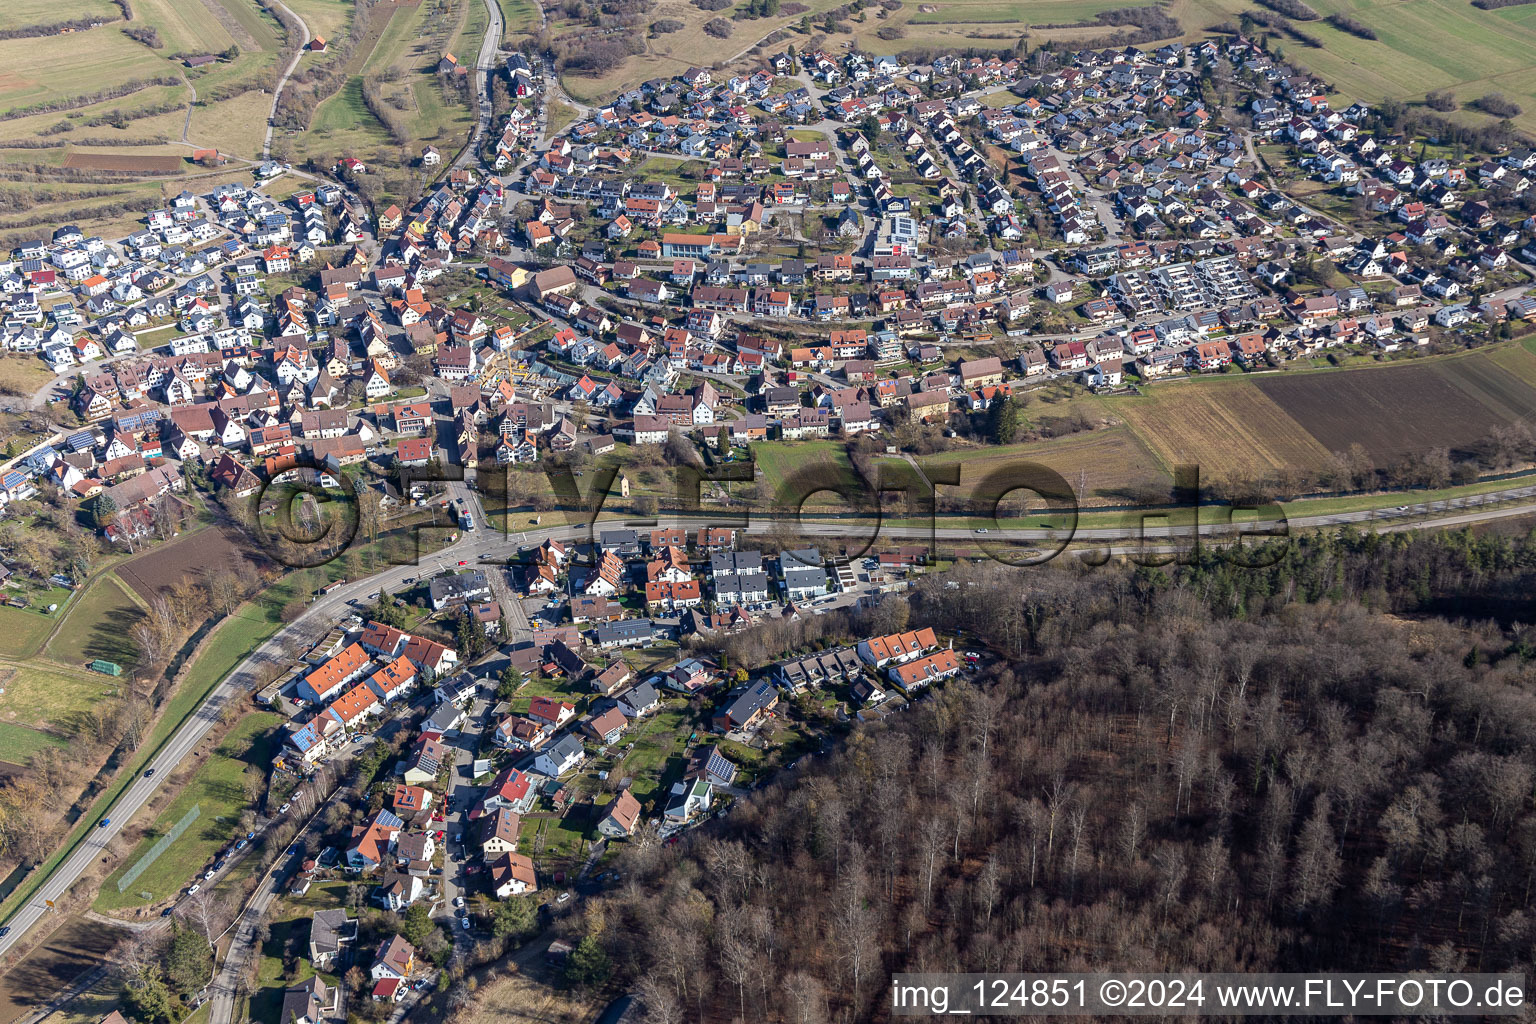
(242, 844)
(192, 890)
(458, 901)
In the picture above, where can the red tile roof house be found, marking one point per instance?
(372, 841)
(607, 728)
(395, 961)
(410, 799)
(511, 874)
(622, 817)
(551, 711)
(413, 451)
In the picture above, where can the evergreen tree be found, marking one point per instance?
(147, 999)
(103, 510)
(418, 925)
(587, 966)
(471, 635)
(1003, 421)
(384, 611)
(511, 919)
(189, 963)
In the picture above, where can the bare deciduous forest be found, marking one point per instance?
(1326, 764)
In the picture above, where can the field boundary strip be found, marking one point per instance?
(164, 843)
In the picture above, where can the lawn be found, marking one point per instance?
(26, 628)
(556, 843)
(559, 115)
(218, 790)
(18, 743)
(660, 752)
(556, 689)
(288, 934)
(99, 625)
(777, 461)
(519, 17)
(185, 27)
(44, 698)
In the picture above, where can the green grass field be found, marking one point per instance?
(218, 789)
(185, 27)
(660, 753)
(406, 51)
(519, 17)
(25, 629)
(18, 743)
(47, 12)
(327, 19)
(99, 625)
(45, 698)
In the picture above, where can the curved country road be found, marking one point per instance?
(485, 67)
(277, 93)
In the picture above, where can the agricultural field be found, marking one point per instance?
(145, 128)
(1101, 466)
(168, 564)
(219, 789)
(1421, 45)
(99, 625)
(399, 55)
(51, 701)
(1393, 411)
(1223, 426)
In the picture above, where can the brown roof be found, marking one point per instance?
(625, 811)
